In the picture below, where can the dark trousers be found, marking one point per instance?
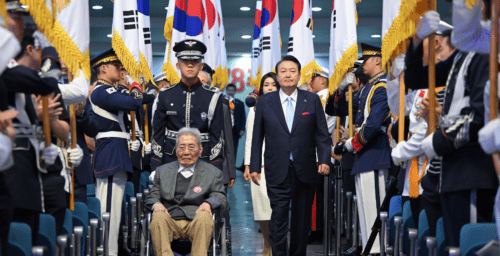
(80, 192)
(301, 196)
(456, 207)
(136, 180)
(431, 202)
(416, 208)
(32, 218)
(236, 140)
(55, 198)
(5, 214)
(320, 197)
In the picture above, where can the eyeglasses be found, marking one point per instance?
(191, 148)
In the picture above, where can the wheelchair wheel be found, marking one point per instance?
(228, 239)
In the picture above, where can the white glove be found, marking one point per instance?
(152, 176)
(75, 156)
(135, 145)
(147, 149)
(348, 145)
(50, 153)
(489, 136)
(130, 80)
(348, 79)
(428, 24)
(399, 65)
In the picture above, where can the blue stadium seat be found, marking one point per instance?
(94, 205)
(441, 243)
(474, 236)
(423, 232)
(395, 209)
(19, 239)
(144, 182)
(81, 218)
(408, 222)
(91, 190)
(47, 233)
(129, 191)
(68, 223)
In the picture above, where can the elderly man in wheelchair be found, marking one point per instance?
(184, 194)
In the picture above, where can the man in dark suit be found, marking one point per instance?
(239, 118)
(183, 196)
(293, 124)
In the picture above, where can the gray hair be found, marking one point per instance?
(209, 78)
(188, 131)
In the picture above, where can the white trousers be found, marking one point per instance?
(110, 192)
(368, 186)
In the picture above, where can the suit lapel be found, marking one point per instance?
(299, 108)
(275, 103)
(171, 174)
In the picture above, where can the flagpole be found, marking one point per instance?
(432, 77)
(146, 123)
(72, 122)
(401, 123)
(46, 126)
(494, 72)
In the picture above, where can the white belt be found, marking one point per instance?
(113, 134)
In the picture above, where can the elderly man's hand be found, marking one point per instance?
(255, 178)
(231, 183)
(205, 207)
(160, 208)
(323, 169)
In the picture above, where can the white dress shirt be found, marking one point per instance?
(284, 102)
(186, 171)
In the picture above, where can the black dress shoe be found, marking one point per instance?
(315, 237)
(353, 251)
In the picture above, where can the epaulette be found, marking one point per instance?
(167, 88)
(210, 88)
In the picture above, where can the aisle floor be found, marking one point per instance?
(246, 240)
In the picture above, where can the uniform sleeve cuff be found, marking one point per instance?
(428, 147)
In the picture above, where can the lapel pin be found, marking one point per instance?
(305, 100)
(197, 189)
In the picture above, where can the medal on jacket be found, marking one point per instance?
(417, 104)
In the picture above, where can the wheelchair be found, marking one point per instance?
(221, 238)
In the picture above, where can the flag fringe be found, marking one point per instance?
(169, 26)
(259, 78)
(145, 71)
(471, 3)
(217, 76)
(309, 71)
(356, 14)
(358, 1)
(171, 73)
(126, 58)
(402, 28)
(58, 6)
(342, 66)
(224, 78)
(69, 52)
(41, 15)
(3, 12)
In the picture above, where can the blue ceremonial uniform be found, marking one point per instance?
(198, 106)
(371, 141)
(111, 153)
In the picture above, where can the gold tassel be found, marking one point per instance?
(171, 73)
(224, 78)
(357, 1)
(471, 3)
(145, 71)
(343, 65)
(41, 15)
(356, 14)
(309, 71)
(169, 25)
(3, 12)
(258, 79)
(402, 28)
(69, 52)
(126, 58)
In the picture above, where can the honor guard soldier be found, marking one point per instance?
(372, 158)
(188, 103)
(137, 156)
(111, 161)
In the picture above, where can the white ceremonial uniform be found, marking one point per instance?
(260, 200)
(76, 91)
(6, 158)
(331, 121)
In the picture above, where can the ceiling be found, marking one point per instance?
(238, 23)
